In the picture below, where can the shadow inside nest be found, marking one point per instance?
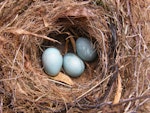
(67, 33)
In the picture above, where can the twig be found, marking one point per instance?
(84, 94)
(20, 31)
(85, 106)
(132, 99)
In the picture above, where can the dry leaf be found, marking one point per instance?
(73, 44)
(118, 92)
(63, 78)
(20, 31)
(66, 46)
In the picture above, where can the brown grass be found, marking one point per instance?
(120, 31)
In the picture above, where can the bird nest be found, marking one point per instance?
(117, 81)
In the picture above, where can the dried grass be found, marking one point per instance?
(120, 32)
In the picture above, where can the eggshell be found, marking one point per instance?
(85, 49)
(73, 65)
(52, 61)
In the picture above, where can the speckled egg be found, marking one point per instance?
(52, 61)
(73, 65)
(85, 49)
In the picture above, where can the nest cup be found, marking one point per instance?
(38, 28)
(74, 21)
(24, 37)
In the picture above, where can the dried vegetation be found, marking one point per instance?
(118, 81)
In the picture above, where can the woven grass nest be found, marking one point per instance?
(117, 81)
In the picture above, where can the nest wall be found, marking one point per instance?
(118, 29)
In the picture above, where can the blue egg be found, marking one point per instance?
(73, 65)
(85, 49)
(52, 61)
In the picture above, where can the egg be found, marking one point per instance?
(85, 49)
(52, 61)
(73, 65)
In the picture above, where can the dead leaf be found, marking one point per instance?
(63, 78)
(66, 46)
(73, 44)
(118, 92)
